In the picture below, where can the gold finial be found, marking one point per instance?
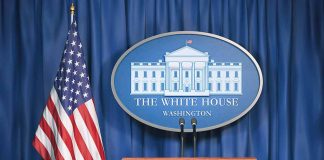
(72, 9)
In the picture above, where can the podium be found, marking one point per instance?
(188, 158)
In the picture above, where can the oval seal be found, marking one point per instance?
(186, 74)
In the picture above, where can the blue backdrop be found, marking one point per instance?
(285, 36)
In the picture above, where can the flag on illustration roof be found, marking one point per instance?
(69, 127)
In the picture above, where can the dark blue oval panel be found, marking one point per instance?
(186, 74)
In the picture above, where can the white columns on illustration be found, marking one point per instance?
(186, 72)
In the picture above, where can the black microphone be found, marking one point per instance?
(181, 123)
(194, 124)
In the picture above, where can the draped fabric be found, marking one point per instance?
(285, 36)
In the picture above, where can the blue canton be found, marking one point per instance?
(72, 81)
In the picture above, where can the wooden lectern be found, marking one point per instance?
(188, 158)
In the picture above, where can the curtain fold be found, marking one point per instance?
(285, 36)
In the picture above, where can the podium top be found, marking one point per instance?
(191, 158)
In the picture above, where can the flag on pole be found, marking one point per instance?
(69, 126)
(189, 41)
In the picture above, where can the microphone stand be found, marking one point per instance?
(194, 124)
(181, 123)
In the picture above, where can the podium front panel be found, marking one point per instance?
(190, 158)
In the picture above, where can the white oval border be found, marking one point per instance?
(186, 33)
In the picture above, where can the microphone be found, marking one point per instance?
(181, 123)
(194, 124)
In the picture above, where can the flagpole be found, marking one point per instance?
(72, 9)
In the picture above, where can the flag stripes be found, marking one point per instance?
(61, 130)
(44, 141)
(51, 128)
(80, 142)
(90, 126)
(42, 150)
(92, 111)
(60, 112)
(53, 137)
(85, 134)
(78, 155)
(49, 133)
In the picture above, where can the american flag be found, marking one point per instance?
(69, 126)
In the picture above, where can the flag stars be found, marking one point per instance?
(71, 52)
(82, 75)
(67, 79)
(71, 82)
(73, 43)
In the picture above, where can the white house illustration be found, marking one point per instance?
(186, 72)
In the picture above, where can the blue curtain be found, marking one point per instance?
(285, 36)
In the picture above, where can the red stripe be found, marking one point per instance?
(92, 129)
(41, 149)
(80, 142)
(60, 127)
(48, 131)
